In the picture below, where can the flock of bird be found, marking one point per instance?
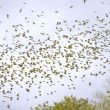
(23, 64)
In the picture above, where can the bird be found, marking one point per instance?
(84, 1)
(56, 11)
(71, 6)
(20, 10)
(89, 83)
(8, 16)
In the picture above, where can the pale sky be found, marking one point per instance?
(47, 10)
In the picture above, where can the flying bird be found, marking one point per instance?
(84, 1)
(8, 16)
(71, 6)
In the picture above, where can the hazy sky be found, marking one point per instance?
(49, 8)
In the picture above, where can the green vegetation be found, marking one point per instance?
(72, 103)
(68, 103)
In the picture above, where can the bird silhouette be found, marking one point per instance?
(84, 1)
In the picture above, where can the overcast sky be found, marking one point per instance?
(53, 11)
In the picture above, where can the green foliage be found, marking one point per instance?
(68, 103)
(72, 103)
